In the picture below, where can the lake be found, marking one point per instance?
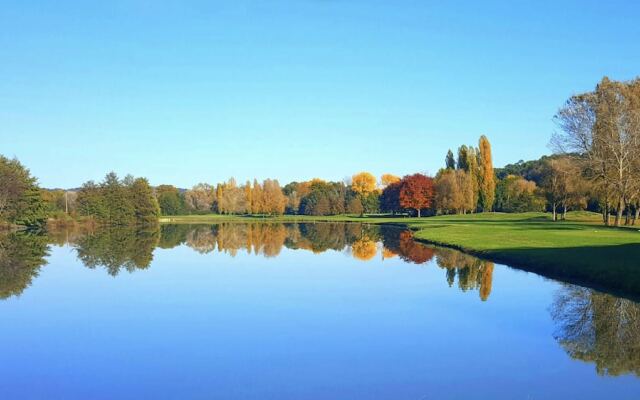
(297, 311)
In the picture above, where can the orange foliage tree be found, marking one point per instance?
(416, 192)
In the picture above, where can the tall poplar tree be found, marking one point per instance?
(487, 182)
(450, 161)
(248, 194)
(463, 157)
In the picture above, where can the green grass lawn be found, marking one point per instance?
(578, 250)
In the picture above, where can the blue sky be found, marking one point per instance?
(184, 92)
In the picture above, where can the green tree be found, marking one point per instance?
(90, 202)
(371, 202)
(119, 204)
(145, 205)
(450, 162)
(463, 158)
(170, 201)
(21, 201)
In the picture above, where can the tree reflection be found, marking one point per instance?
(263, 239)
(598, 328)
(173, 235)
(364, 249)
(121, 248)
(401, 243)
(472, 273)
(21, 256)
(268, 239)
(118, 248)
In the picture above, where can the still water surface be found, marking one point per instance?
(297, 311)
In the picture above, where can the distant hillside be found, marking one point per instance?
(529, 170)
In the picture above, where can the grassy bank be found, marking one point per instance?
(578, 250)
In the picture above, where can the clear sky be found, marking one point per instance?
(183, 92)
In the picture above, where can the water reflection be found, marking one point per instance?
(594, 327)
(117, 249)
(21, 256)
(130, 249)
(598, 328)
(471, 272)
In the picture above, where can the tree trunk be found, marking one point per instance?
(418, 212)
(564, 212)
(637, 214)
(619, 211)
(627, 217)
(605, 212)
(555, 215)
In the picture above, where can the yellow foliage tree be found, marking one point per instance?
(363, 183)
(388, 179)
(487, 177)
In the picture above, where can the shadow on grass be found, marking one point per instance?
(614, 269)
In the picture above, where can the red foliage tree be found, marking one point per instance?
(416, 192)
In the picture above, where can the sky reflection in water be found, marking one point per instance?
(297, 311)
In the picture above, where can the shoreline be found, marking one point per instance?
(577, 251)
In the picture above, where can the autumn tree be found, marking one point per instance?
(355, 206)
(248, 196)
(219, 193)
(454, 191)
(487, 183)
(468, 162)
(516, 194)
(257, 198)
(274, 200)
(446, 191)
(388, 179)
(563, 186)
(233, 198)
(295, 192)
(200, 198)
(603, 128)
(416, 192)
(363, 183)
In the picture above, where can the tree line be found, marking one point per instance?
(595, 167)
(468, 183)
(416, 194)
